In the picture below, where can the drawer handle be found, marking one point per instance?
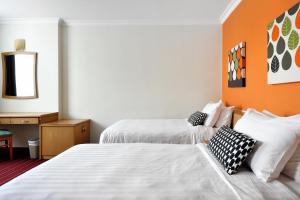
(83, 129)
(25, 121)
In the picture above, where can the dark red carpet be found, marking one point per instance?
(11, 169)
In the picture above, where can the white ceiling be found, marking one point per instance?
(208, 11)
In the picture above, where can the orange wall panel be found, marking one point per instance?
(248, 23)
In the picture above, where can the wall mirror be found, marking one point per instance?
(19, 75)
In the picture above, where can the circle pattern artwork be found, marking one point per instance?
(283, 51)
(237, 65)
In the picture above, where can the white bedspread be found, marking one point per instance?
(138, 171)
(171, 131)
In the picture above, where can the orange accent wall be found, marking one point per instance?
(248, 23)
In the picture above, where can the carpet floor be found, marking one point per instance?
(11, 169)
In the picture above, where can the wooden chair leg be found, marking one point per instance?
(10, 148)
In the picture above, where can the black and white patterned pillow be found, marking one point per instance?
(197, 118)
(231, 148)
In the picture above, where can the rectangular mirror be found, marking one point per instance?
(19, 75)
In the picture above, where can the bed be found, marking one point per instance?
(141, 171)
(172, 131)
(200, 127)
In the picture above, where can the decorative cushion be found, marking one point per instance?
(197, 118)
(231, 148)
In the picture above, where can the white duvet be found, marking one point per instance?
(171, 131)
(138, 171)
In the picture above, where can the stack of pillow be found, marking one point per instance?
(213, 114)
(292, 168)
(266, 143)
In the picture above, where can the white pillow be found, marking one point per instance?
(225, 117)
(269, 113)
(274, 115)
(213, 111)
(292, 168)
(277, 140)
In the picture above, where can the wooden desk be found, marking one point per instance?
(27, 118)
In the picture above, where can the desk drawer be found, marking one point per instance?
(24, 121)
(4, 120)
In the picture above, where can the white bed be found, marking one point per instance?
(141, 171)
(172, 131)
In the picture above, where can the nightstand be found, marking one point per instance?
(58, 136)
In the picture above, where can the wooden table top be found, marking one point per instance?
(26, 114)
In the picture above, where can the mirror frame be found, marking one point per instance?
(3, 54)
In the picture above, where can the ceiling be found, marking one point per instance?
(208, 11)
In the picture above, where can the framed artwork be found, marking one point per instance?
(283, 47)
(237, 66)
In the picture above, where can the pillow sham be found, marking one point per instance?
(277, 140)
(225, 117)
(292, 117)
(231, 148)
(197, 118)
(269, 113)
(213, 111)
(292, 168)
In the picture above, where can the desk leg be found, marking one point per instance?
(10, 143)
(40, 142)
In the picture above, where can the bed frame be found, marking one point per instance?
(237, 114)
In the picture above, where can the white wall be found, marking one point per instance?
(135, 71)
(111, 72)
(41, 37)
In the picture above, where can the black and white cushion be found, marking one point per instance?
(231, 148)
(197, 118)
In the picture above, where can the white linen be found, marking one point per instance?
(277, 140)
(291, 184)
(225, 117)
(172, 131)
(213, 112)
(138, 171)
(248, 186)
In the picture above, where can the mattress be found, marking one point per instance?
(139, 171)
(171, 131)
